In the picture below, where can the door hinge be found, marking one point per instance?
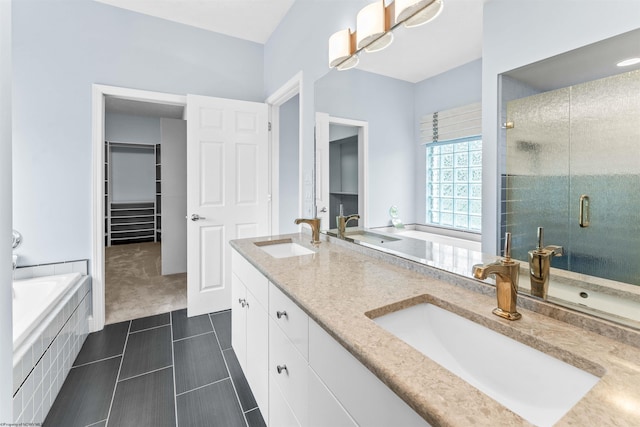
(269, 127)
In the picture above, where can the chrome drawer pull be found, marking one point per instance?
(279, 314)
(281, 368)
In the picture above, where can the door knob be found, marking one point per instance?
(195, 217)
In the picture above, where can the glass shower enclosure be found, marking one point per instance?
(572, 166)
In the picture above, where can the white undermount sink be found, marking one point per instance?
(536, 386)
(283, 248)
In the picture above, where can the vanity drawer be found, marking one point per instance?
(288, 369)
(255, 281)
(290, 318)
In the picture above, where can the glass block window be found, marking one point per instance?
(454, 184)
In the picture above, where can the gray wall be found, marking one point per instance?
(387, 105)
(133, 171)
(517, 33)
(289, 165)
(174, 195)
(60, 49)
(131, 128)
(6, 300)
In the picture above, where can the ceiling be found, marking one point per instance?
(252, 20)
(451, 40)
(587, 63)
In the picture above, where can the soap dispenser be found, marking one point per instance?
(539, 264)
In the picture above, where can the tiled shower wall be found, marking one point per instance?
(580, 140)
(39, 373)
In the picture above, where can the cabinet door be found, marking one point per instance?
(257, 370)
(324, 409)
(239, 320)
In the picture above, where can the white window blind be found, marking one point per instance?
(453, 144)
(457, 123)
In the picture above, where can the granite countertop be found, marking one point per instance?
(342, 285)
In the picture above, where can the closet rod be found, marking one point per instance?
(132, 145)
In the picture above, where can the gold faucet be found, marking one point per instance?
(506, 272)
(539, 264)
(342, 221)
(314, 223)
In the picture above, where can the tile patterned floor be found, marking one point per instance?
(162, 370)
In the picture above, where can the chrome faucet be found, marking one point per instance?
(539, 264)
(14, 258)
(506, 272)
(314, 223)
(342, 221)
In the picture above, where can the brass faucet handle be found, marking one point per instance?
(507, 247)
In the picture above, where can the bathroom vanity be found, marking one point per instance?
(330, 359)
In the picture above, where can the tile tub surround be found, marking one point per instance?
(341, 283)
(43, 361)
(160, 370)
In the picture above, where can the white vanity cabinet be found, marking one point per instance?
(250, 327)
(299, 375)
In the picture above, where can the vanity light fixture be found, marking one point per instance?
(342, 47)
(413, 13)
(375, 24)
(628, 62)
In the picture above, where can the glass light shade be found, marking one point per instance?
(340, 47)
(380, 43)
(417, 12)
(348, 63)
(372, 22)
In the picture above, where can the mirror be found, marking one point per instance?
(396, 161)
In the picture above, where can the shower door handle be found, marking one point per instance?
(584, 211)
(195, 217)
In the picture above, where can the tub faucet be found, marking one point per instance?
(506, 272)
(539, 264)
(314, 223)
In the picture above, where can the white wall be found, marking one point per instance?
(60, 49)
(6, 300)
(517, 33)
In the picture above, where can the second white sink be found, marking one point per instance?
(536, 386)
(283, 248)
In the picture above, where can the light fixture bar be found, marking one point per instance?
(375, 23)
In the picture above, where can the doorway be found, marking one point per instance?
(145, 196)
(341, 169)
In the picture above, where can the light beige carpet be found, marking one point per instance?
(134, 285)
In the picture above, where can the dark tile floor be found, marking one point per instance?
(164, 370)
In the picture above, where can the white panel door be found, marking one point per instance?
(322, 169)
(227, 192)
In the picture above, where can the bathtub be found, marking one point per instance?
(33, 300)
(51, 315)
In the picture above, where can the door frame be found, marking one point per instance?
(99, 92)
(283, 94)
